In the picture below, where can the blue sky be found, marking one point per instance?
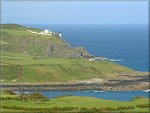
(75, 12)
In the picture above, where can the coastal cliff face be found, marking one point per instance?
(17, 38)
(33, 57)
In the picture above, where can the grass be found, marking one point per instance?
(25, 33)
(4, 95)
(3, 42)
(13, 111)
(32, 68)
(25, 58)
(137, 110)
(16, 38)
(44, 69)
(77, 101)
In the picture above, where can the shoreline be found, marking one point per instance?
(123, 82)
(120, 83)
(75, 87)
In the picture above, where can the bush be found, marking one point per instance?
(38, 96)
(34, 96)
(125, 108)
(24, 97)
(130, 107)
(55, 108)
(83, 108)
(8, 98)
(107, 109)
(9, 92)
(2, 98)
(90, 110)
(138, 97)
(143, 106)
(94, 109)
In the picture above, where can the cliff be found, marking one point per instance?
(28, 57)
(17, 38)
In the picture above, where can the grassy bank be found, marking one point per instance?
(18, 67)
(29, 57)
(72, 104)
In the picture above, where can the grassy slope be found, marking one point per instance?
(18, 66)
(70, 101)
(16, 38)
(24, 32)
(26, 68)
(76, 101)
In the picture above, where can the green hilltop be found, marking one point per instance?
(16, 38)
(29, 57)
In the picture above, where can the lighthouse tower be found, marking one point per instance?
(60, 35)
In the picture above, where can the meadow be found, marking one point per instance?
(71, 104)
(38, 59)
(26, 68)
(28, 57)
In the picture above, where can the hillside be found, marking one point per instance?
(24, 68)
(28, 57)
(17, 38)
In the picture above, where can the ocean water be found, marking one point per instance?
(108, 95)
(126, 43)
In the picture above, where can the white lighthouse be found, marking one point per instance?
(60, 35)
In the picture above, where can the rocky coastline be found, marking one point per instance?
(126, 82)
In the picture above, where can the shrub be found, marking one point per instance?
(83, 108)
(9, 92)
(107, 109)
(38, 96)
(2, 98)
(90, 110)
(94, 109)
(8, 98)
(125, 108)
(24, 97)
(143, 106)
(138, 97)
(55, 108)
(34, 96)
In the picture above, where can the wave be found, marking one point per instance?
(116, 60)
(93, 91)
(148, 90)
(19, 92)
(97, 91)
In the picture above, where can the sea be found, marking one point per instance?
(107, 95)
(127, 45)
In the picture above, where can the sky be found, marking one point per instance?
(75, 12)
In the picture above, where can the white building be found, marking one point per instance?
(60, 35)
(46, 31)
(91, 59)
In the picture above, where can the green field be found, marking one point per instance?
(18, 67)
(34, 58)
(71, 104)
(29, 57)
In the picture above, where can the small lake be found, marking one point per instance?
(109, 95)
